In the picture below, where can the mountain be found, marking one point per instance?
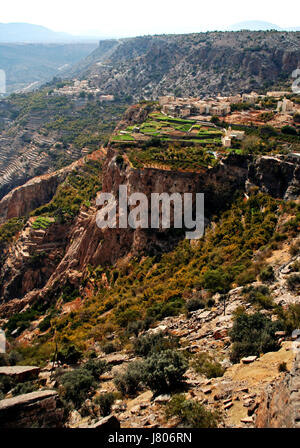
(254, 25)
(191, 64)
(30, 65)
(27, 32)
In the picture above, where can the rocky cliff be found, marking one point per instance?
(193, 64)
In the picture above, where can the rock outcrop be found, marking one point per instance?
(36, 409)
(280, 403)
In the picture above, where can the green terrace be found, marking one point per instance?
(170, 143)
(169, 129)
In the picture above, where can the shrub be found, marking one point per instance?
(76, 386)
(148, 344)
(164, 371)
(190, 413)
(259, 296)
(295, 248)
(105, 401)
(108, 348)
(25, 388)
(130, 381)
(293, 282)
(282, 367)
(96, 367)
(253, 334)
(204, 364)
(194, 304)
(267, 275)
(217, 281)
(290, 318)
(69, 355)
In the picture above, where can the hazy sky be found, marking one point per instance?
(140, 17)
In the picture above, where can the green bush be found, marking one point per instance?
(253, 334)
(105, 401)
(204, 364)
(129, 382)
(194, 304)
(156, 342)
(69, 355)
(260, 296)
(25, 388)
(164, 371)
(75, 386)
(96, 367)
(267, 275)
(108, 348)
(191, 413)
(293, 282)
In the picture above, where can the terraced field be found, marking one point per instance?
(170, 143)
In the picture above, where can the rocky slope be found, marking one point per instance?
(193, 64)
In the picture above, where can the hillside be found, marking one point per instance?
(27, 66)
(192, 64)
(41, 132)
(151, 327)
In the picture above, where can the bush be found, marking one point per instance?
(259, 296)
(282, 367)
(69, 355)
(109, 348)
(156, 342)
(290, 318)
(96, 367)
(267, 275)
(217, 281)
(295, 248)
(76, 386)
(204, 364)
(190, 413)
(253, 334)
(164, 371)
(194, 304)
(129, 382)
(24, 388)
(293, 282)
(105, 401)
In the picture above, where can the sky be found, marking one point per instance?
(120, 18)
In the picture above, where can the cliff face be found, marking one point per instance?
(277, 176)
(73, 246)
(193, 64)
(279, 407)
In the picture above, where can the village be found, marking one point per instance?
(275, 109)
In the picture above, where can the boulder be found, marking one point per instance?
(20, 373)
(108, 423)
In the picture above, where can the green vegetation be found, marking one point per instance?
(25, 388)
(105, 401)
(204, 364)
(80, 187)
(130, 382)
(191, 414)
(76, 385)
(253, 334)
(153, 343)
(42, 222)
(163, 371)
(9, 229)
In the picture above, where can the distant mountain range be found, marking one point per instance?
(29, 33)
(258, 25)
